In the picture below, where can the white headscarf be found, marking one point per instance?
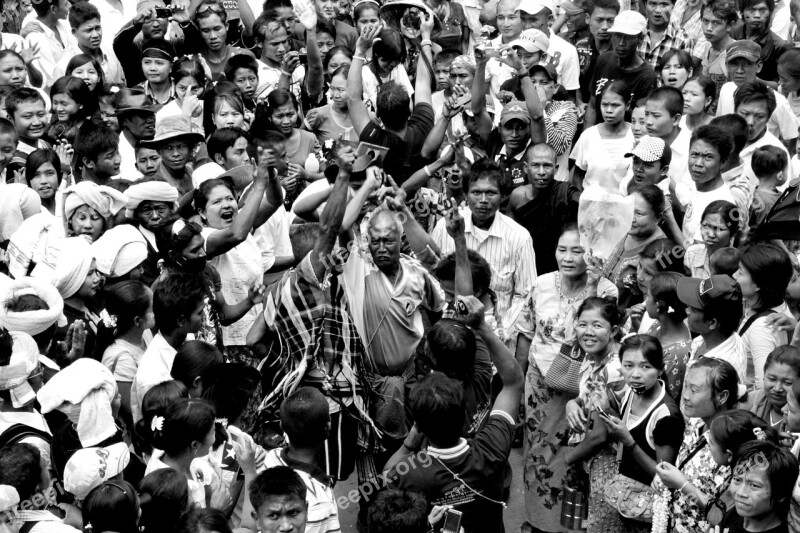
(14, 376)
(72, 266)
(105, 200)
(150, 191)
(32, 322)
(35, 241)
(17, 202)
(119, 250)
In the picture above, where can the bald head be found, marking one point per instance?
(385, 234)
(541, 150)
(540, 165)
(385, 220)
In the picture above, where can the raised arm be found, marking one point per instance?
(479, 88)
(422, 86)
(455, 228)
(533, 99)
(356, 108)
(315, 81)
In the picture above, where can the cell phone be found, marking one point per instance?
(303, 59)
(163, 12)
(452, 521)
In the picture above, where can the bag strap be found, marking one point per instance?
(749, 321)
(697, 447)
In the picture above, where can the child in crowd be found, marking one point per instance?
(769, 165)
(724, 262)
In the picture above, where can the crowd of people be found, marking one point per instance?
(252, 249)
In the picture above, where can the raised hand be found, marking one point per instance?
(75, 341)
(306, 14)
(368, 35)
(470, 311)
(29, 54)
(65, 154)
(180, 12)
(426, 24)
(455, 223)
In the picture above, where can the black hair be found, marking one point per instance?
(324, 26)
(266, 23)
(607, 307)
(684, 60)
(175, 297)
(222, 139)
(721, 377)
(276, 481)
(223, 91)
(221, 13)
(195, 359)
(164, 497)
(590, 5)
(735, 427)
(363, 6)
(724, 261)
(187, 67)
(6, 126)
(722, 9)
(185, 421)
(21, 95)
(666, 253)
(79, 92)
(446, 56)
(390, 47)
(736, 126)
(82, 12)
(653, 196)
(481, 271)
(746, 4)
(21, 467)
(204, 521)
(728, 211)
(664, 288)
(304, 417)
(125, 301)
(437, 405)
(332, 52)
(621, 88)
(648, 345)
(770, 269)
(281, 97)
(755, 91)
(204, 190)
(111, 506)
(39, 157)
(92, 141)
(670, 97)
(81, 59)
(266, 139)
(790, 60)
(155, 403)
(398, 511)
(782, 470)
(392, 105)
(716, 137)
(768, 160)
(486, 169)
(229, 390)
(785, 354)
(43, 6)
(452, 349)
(706, 85)
(240, 61)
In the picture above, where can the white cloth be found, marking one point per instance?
(113, 14)
(731, 350)
(119, 250)
(370, 84)
(35, 242)
(154, 368)
(105, 200)
(150, 191)
(32, 322)
(127, 156)
(17, 203)
(268, 78)
(272, 237)
(23, 361)
(564, 57)
(90, 385)
(603, 160)
(72, 266)
(50, 50)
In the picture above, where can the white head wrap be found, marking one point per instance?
(206, 172)
(105, 200)
(150, 191)
(74, 261)
(85, 388)
(14, 376)
(32, 322)
(17, 202)
(119, 250)
(34, 242)
(9, 497)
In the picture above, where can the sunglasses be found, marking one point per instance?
(216, 8)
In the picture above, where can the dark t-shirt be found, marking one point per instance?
(513, 167)
(404, 156)
(772, 46)
(480, 464)
(587, 59)
(732, 523)
(641, 80)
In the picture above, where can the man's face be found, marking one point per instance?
(8, 145)
(508, 19)
(326, 8)
(741, 70)
(151, 214)
(484, 199)
(577, 22)
(31, 119)
(325, 42)
(515, 134)
(282, 514)
(540, 167)
(213, 31)
(107, 163)
(704, 162)
(276, 44)
(756, 17)
(141, 125)
(461, 76)
(714, 28)
(657, 119)
(154, 28)
(757, 115)
(175, 155)
(247, 81)
(235, 155)
(539, 21)
(600, 20)
(441, 69)
(89, 34)
(647, 172)
(384, 243)
(625, 45)
(658, 12)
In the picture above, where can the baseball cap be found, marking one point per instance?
(89, 467)
(749, 50)
(652, 149)
(515, 110)
(629, 22)
(571, 8)
(531, 40)
(548, 68)
(698, 293)
(532, 7)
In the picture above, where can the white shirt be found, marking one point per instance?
(113, 17)
(731, 350)
(154, 368)
(694, 211)
(370, 84)
(782, 21)
(272, 237)
(268, 78)
(564, 57)
(127, 156)
(110, 64)
(507, 247)
(50, 50)
(783, 123)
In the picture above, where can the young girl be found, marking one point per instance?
(73, 103)
(154, 404)
(112, 506)
(698, 95)
(164, 500)
(761, 488)
(43, 172)
(195, 364)
(332, 121)
(675, 68)
(223, 107)
(365, 13)
(183, 434)
(189, 80)
(157, 58)
(302, 147)
(129, 313)
(388, 56)
(599, 154)
(669, 327)
(719, 227)
(781, 371)
(638, 125)
(789, 76)
(86, 68)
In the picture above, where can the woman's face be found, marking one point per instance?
(694, 99)
(570, 255)
(368, 16)
(156, 69)
(705, 162)
(247, 81)
(221, 208)
(12, 72)
(645, 270)
(789, 84)
(88, 74)
(64, 107)
(338, 90)
(778, 381)
(674, 74)
(638, 124)
(87, 221)
(696, 400)
(594, 332)
(745, 280)
(752, 491)
(186, 86)
(284, 118)
(338, 60)
(613, 107)
(716, 233)
(227, 117)
(718, 453)
(791, 412)
(637, 370)
(645, 221)
(91, 284)
(195, 249)
(45, 181)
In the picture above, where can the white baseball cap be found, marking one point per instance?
(90, 467)
(532, 40)
(629, 23)
(532, 7)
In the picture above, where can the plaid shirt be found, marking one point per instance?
(652, 53)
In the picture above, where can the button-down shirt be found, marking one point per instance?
(513, 166)
(51, 51)
(46, 522)
(110, 65)
(149, 92)
(507, 247)
(652, 52)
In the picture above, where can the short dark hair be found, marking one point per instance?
(164, 496)
(666, 253)
(648, 345)
(785, 354)
(304, 417)
(755, 91)
(486, 169)
(323, 26)
(746, 4)
(39, 157)
(202, 520)
(93, 140)
(398, 511)
(722, 9)
(768, 160)
(195, 359)
(452, 349)
(481, 271)
(276, 481)
(437, 405)
(176, 296)
(782, 470)
(222, 139)
(221, 13)
(392, 104)
(21, 467)
(770, 269)
(590, 5)
(684, 59)
(267, 22)
(267, 139)
(664, 288)
(670, 97)
(82, 12)
(7, 128)
(715, 136)
(390, 47)
(446, 56)
(736, 126)
(240, 61)
(112, 506)
(22, 95)
(724, 261)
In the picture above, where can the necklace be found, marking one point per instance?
(568, 300)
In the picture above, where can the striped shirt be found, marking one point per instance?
(507, 247)
(323, 516)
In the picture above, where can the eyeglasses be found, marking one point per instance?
(216, 8)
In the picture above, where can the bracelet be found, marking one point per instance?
(630, 446)
(284, 73)
(426, 42)
(364, 59)
(682, 487)
(427, 171)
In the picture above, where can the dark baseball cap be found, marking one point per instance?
(699, 293)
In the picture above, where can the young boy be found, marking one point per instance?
(326, 36)
(26, 109)
(8, 147)
(147, 161)
(718, 19)
(651, 162)
(306, 421)
(724, 261)
(97, 153)
(662, 115)
(242, 70)
(84, 19)
(278, 498)
(228, 147)
(769, 165)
